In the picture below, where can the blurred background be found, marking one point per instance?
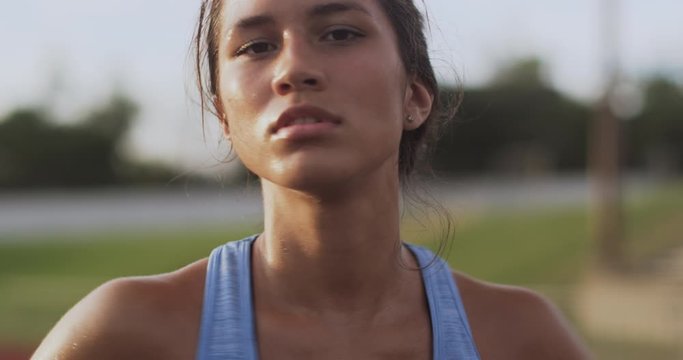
(563, 167)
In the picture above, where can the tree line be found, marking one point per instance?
(516, 125)
(37, 152)
(520, 125)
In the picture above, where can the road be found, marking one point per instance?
(33, 213)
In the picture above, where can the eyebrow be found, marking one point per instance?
(321, 10)
(336, 7)
(254, 21)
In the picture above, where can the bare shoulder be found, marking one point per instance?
(150, 317)
(517, 323)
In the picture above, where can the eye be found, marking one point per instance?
(343, 35)
(255, 47)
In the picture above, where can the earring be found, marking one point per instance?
(410, 119)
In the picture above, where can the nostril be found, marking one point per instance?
(287, 84)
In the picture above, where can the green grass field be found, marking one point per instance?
(41, 277)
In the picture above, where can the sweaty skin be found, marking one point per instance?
(327, 283)
(157, 317)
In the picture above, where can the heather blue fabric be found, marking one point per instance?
(452, 336)
(227, 329)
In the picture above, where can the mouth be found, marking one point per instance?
(303, 115)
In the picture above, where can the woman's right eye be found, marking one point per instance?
(255, 48)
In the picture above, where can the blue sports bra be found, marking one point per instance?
(227, 326)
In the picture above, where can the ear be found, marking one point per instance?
(417, 104)
(220, 113)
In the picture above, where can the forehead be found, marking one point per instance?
(235, 12)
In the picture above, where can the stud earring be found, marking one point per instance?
(410, 119)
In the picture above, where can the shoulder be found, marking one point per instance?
(134, 317)
(516, 323)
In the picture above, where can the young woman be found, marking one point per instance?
(330, 103)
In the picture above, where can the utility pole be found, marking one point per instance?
(605, 147)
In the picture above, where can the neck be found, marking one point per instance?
(338, 253)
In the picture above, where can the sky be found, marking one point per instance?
(72, 54)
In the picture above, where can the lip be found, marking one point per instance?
(286, 119)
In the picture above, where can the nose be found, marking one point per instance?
(298, 69)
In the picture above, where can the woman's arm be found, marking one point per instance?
(150, 317)
(121, 319)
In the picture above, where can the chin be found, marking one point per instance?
(326, 178)
(322, 173)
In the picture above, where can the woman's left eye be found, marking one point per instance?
(342, 35)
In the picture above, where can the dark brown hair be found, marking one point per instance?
(409, 26)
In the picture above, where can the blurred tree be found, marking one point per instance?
(113, 119)
(516, 125)
(20, 132)
(36, 152)
(655, 136)
(524, 73)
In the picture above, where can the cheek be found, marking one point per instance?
(379, 125)
(241, 102)
(380, 89)
(244, 97)
(238, 91)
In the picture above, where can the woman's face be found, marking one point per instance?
(314, 91)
